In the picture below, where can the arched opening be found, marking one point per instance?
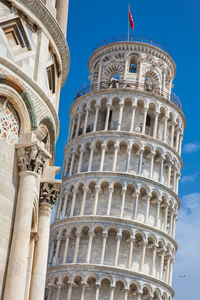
(9, 122)
(133, 65)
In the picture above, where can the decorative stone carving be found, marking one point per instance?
(32, 158)
(49, 192)
(9, 122)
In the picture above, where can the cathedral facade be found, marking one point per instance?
(113, 235)
(34, 64)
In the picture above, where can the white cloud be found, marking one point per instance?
(191, 147)
(188, 257)
(189, 178)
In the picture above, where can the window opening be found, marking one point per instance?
(51, 78)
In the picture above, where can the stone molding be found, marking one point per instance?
(31, 157)
(49, 22)
(49, 192)
(45, 209)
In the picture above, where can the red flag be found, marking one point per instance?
(131, 20)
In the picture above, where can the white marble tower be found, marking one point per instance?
(113, 236)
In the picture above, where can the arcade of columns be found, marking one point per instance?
(113, 236)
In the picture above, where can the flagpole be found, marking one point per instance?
(128, 21)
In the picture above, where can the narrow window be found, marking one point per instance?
(51, 78)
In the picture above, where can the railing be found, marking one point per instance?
(150, 88)
(132, 38)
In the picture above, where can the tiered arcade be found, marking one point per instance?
(113, 236)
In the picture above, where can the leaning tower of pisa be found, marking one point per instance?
(113, 236)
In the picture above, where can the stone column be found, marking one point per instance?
(172, 134)
(72, 163)
(132, 118)
(128, 159)
(119, 236)
(125, 294)
(177, 139)
(50, 292)
(48, 195)
(136, 205)
(85, 190)
(177, 182)
(72, 128)
(168, 269)
(92, 147)
(130, 256)
(105, 234)
(147, 208)
(83, 290)
(121, 107)
(151, 165)
(124, 190)
(31, 160)
(97, 291)
(180, 144)
(65, 203)
(103, 146)
(169, 175)
(73, 202)
(140, 162)
(171, 270)
(165, 129)
(144, 120)
(110, 189)
(62, 14)
(51, 253)
(78, 236)
(66, 249)
(89, 247)
(60, 200)
(162, 264)
(174, 225)
(78, 123)
(165, 217)
(59, 286)
(144, 246)
(171, 220)
(174, 179)
(86, 120)
(97, 188)
(158, 212)
(69, 293)
(59, 239)
(108, 105)
(155, 128)
(112, 289)
(161, 169)
(97, 106)
(116, 146)
(153, 261)
(80, 159)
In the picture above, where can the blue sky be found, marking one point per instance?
(176, 25)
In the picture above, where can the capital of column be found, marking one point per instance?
(49, 192)
(32, 157)
(103, 146)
